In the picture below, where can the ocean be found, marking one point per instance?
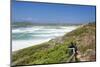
(23, 37)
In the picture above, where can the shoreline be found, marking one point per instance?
(25, 45)
(18, 45)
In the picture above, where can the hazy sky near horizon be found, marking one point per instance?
(52, 13)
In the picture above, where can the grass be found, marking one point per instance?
(57, 52)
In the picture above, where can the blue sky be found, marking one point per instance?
(52, 13)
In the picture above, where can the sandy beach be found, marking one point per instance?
(43, 35)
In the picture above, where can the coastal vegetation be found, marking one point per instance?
(56, 50)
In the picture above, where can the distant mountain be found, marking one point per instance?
(28, 24)
(56, 50)
(21, 24)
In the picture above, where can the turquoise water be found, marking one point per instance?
(37, 32)
(28, 36)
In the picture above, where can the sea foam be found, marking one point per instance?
(30, 36)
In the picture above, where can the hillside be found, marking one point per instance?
(56, 50)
